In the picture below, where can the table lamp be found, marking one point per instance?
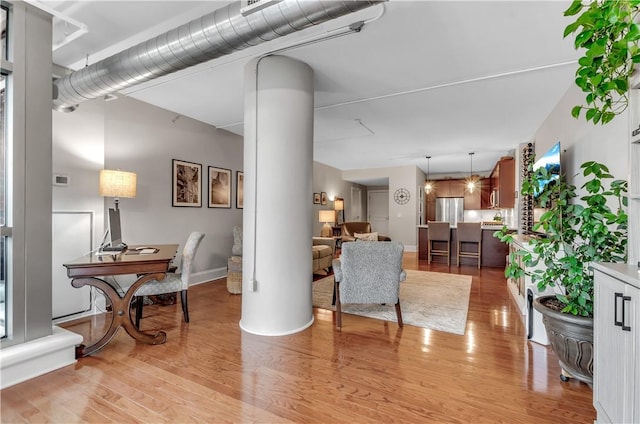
(338, 206)
(327, 216)
(117, 184)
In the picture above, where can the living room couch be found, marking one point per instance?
(349, 229)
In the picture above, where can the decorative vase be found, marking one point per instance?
(571, 339)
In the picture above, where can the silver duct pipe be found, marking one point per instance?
(216, 34)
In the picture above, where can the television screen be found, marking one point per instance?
(551, 161)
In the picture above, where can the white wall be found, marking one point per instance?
(402, 218)
(135, 136)
(329, 180)
(582, 141)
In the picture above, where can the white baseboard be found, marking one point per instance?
(207, 275)
(37, 357)
(410, 248)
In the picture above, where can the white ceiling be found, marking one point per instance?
(421, 78)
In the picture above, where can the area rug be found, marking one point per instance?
(433, 300)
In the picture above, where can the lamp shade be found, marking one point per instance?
(338, 204)
(327, 216)
(117, 183)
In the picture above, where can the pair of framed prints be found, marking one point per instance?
(187, 185)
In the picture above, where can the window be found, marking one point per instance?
(4, 23)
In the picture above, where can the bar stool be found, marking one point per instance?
(469, 232)
(439, 231)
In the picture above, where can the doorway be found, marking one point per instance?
(378, 210)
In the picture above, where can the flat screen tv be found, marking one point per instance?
(551, 161)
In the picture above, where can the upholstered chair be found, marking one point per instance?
(173, 282)
(349, 230)
(369, 272)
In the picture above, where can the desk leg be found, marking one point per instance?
(121, 316)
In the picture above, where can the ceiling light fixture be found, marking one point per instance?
(471, 181)
(428, 185)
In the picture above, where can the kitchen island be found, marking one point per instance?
(494, 252)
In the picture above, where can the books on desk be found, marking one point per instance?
(142, 251)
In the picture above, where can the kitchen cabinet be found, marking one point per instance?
(473, 201)
(494, 252)
(503, 184)
(616, 343)
(449, 188)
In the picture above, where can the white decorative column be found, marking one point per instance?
(278, 171)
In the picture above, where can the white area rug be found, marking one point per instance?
(432, 300)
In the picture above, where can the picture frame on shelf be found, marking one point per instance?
(186, 184)
(219, 187)
(239, 190)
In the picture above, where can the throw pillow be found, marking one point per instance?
(366, 236)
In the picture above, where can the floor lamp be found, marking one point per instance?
(338, 206)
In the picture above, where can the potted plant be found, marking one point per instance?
(572, 236)
(608, 30)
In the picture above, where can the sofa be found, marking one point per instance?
(349, 230)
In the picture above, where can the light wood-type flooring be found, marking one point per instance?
(209, 371)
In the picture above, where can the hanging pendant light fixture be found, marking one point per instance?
(471, 181)
(428, 185)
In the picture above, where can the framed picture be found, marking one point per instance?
(187, 184)
(323, 195)
(316, 198)
(239, 189)
(219, 187)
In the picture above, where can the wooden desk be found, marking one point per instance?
(87, 270)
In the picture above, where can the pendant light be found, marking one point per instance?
(428, 185)
(471, 181)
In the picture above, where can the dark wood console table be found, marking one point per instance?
(87, 270)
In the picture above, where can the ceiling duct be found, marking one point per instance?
(216, 34)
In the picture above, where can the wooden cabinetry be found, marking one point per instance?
(473, 201)
(449, 188)
(616, 343)
(503, 184)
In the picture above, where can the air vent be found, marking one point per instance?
(247, 7)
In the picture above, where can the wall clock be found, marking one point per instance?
(401, 196)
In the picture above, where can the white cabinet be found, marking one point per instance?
(616, 343)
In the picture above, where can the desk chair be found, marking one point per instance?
(172, 282)
(469, 232)
(439, 231)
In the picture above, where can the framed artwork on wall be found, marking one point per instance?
(239, 189)
(187, 184)
(323, 196)
(316, 198)
(219, 187)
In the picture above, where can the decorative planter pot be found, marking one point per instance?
(571, 338)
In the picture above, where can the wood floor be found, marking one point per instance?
(209, 371)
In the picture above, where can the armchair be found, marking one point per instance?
(369, 272)
(349, 229)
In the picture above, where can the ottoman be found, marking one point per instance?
(322, 257)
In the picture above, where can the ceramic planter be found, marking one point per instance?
(571, 338)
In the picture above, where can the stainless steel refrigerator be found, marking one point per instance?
(450, 209)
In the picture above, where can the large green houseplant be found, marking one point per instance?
(574, 234)
(609, 33)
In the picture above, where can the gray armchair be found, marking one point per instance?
(369, 272)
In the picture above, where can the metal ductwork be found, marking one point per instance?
(216, 34)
